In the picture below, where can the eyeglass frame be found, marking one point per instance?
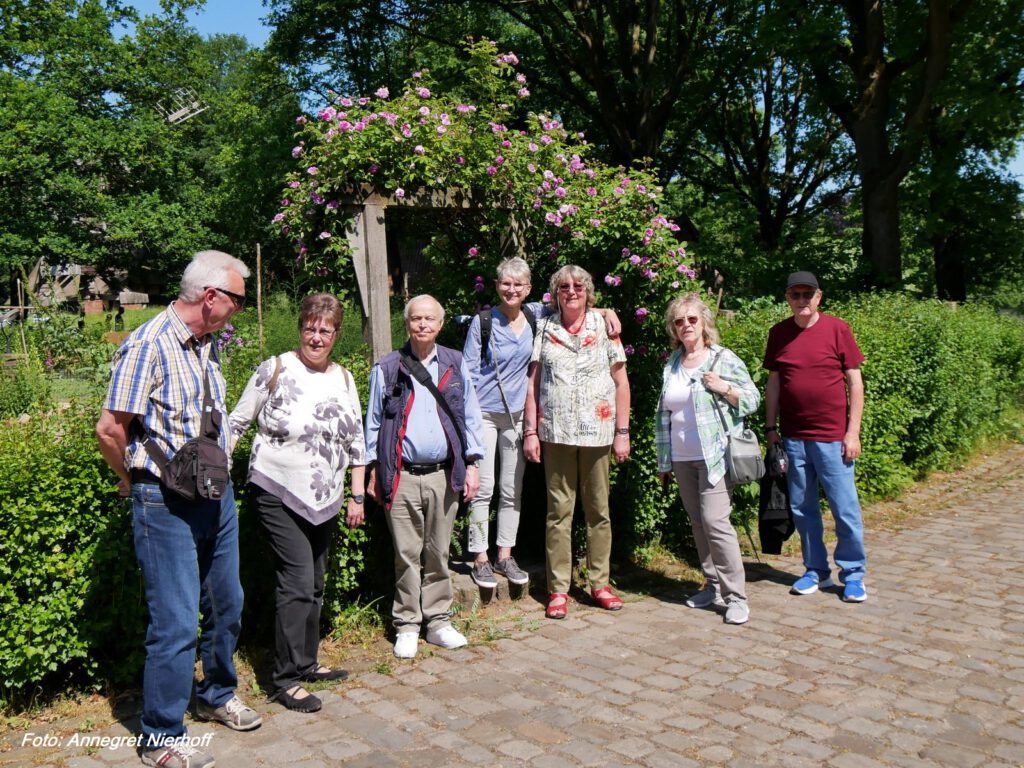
(323, 333)
(237, 299)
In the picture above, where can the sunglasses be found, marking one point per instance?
(691, 319)
(237, 299)
(574, 287)
(806, 295)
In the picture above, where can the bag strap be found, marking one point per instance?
(272, 387)
(486, 319)
(715, 397)
(485, 334)
(209, 426)
(422, 375)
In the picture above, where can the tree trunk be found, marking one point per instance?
(881, 237)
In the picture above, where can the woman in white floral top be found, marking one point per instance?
(577, 407)
(309, 430)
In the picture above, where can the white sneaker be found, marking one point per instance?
(447, 637)
(406, 645)
(737, 613)
(707, 597)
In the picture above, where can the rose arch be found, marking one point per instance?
(532, 187)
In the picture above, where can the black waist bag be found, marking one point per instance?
(199, 469)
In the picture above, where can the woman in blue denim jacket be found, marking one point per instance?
(701, 376)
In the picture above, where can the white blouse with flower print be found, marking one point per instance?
(309, 430)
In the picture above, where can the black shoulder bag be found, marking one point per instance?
(198, 471)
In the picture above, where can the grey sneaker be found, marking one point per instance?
(233, 713)
(737, 612)
(706, 598)
(510, 569)
(483, 575)
(177, 755)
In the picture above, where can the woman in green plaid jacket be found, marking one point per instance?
(699, 377)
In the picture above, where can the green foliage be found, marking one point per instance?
(938, 379)
(70, 595)
(23, 388)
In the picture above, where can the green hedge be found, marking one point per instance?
(938, 379)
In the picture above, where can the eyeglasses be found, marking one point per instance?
(236, 298)
(325, 333)
(576, 287)
(797, 295)
(691, 319)
(517, 287)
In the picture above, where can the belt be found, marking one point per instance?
(425, 469)
(144, 476)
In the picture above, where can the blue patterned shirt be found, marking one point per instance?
(158, 374)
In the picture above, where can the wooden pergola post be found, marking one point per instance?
(367, 239)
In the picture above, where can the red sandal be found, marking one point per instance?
(607, 599)
(558, 605)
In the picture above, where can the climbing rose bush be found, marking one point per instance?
(522, 175)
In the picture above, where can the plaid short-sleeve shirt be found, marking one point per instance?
(157, 374)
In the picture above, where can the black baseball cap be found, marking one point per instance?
(802, 278)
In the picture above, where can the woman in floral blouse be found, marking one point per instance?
(577, 407)
(309, 430)
(700, 376)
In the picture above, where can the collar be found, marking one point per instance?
(181, 330)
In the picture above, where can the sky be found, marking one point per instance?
(240, 17)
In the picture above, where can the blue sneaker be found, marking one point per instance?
(809, 583)
(855, 592)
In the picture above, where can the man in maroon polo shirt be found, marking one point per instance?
(815, 385)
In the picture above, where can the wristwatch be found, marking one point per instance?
(359, 498)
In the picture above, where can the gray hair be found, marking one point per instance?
(576, 274)
(513, 268)
(422, 296)
(709, 330)
(209, 269)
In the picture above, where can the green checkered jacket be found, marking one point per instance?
(709, 426)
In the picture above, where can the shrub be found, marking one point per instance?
(23, 388)
(70, 595)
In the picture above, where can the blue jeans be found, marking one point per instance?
(188, 553)
(810, 463)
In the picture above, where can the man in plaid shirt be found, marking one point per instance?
(187, 550)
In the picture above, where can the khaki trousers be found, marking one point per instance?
(709, 508)
(421, 521)
(566, 468)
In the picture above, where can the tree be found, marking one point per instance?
(641, 75)
(878, 66)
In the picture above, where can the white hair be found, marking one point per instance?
(513, 268)
(421, 297)
(209, 269)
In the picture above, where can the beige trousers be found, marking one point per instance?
(566, 468)
(421, 521)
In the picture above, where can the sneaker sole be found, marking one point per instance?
(712, 604)
(228, 724)
(518, 582)
(826, 584)
(737, 623)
